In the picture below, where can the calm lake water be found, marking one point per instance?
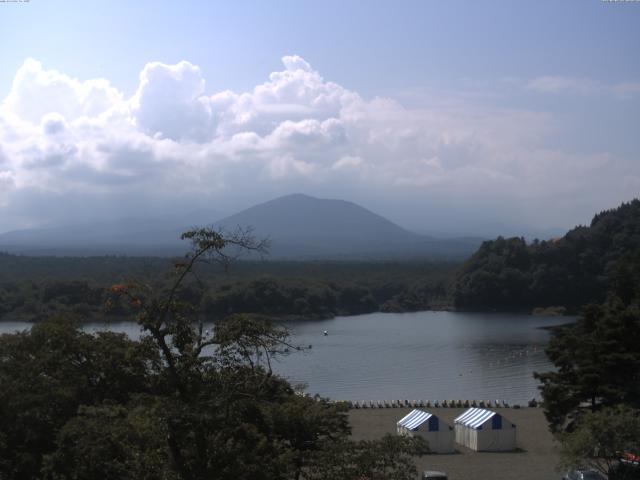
(414, 356)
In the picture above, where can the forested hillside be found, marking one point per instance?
(508, 274)
(570, 271)
(36, 288)
(180, 403)
(299, 228)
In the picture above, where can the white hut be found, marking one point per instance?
(438, 434)
(485, 430)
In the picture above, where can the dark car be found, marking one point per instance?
(583, 475)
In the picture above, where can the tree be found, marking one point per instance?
(110, 441)
(182, 403)
(47, 373)
(597, 359)
(389, 458)
(570, 271)
(227, 415)
(600, 438)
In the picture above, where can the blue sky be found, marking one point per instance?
(373, 46)
(440, 115)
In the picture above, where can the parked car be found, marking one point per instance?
(631, 459)
(583, 475)
(628, 468)
(433, 475)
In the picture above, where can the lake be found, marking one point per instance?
(423, 355)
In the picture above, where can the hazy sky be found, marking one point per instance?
(439, 115)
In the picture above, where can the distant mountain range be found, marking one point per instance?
(125, 236)
(298, 226)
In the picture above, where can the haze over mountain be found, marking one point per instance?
(412, 110)
(298, 226)
(131, 235)
(494, 229)
(307, 220)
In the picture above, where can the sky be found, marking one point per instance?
(469, 117)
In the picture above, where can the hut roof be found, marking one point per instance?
(474, 417)
(414, 419)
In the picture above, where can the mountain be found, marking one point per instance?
(300, 226)
(308, 220)
(132, 236)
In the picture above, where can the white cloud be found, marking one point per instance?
(347, 162)
(559, 84)
(556, 84)
(287, 166)
(170, 102)
(295, 62)
(36, 92)
(294, 94)
(53, 124)
(172, 142)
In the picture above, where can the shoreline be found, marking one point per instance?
(286, 318)
(444, 404)
(536, 456)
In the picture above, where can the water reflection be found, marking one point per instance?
(423, 355)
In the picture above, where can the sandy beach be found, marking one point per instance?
(536, 457)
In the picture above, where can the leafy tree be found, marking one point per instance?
(36, 288)
(597, 359)
(47, 373)
(307, 424)
(182, 403)
(599, 439)
(227, 415)
(110, 441)
(570, 271)
(389, 458)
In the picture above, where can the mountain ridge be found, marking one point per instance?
(305, 217)
(299, 227)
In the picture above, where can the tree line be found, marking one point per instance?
(504, 274)
(592, 398)
(181, 403)
(571, 271)
(304, 290)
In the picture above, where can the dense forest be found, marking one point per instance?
(177, 404)
(35, 288)
(504, 274)
(570, 271)
(77, 405)
(592, 396)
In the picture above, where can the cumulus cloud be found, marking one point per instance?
(347, 162)
(295, 62)
(294, 94)
(170, 102)
(53, 123)
(36, 92)
(173, 142)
